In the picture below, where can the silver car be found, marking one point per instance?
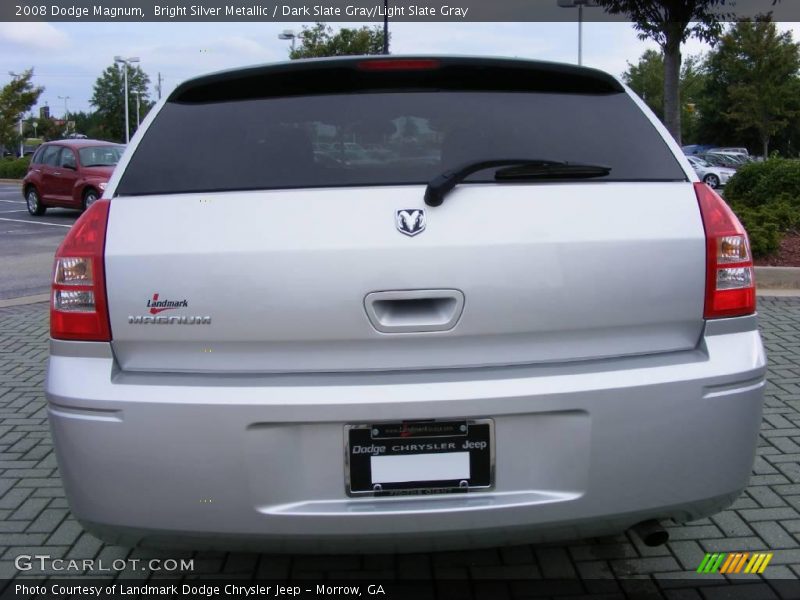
(712, 175)
(524, 318)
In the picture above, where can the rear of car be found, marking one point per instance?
(412, 303)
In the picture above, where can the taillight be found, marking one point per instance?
(730, 283)
(398, 64)
(78, 307)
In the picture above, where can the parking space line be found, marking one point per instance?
(35, 222)
(5, 212)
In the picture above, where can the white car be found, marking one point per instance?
(525, 318)
(712, 175)
(741, 151)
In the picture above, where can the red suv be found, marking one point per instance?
(69, 173)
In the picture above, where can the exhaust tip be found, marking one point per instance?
(651, 533)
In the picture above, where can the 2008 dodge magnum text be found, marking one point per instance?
(402, 303)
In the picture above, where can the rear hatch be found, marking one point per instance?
(273, 220)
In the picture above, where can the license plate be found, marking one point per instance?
(419, 457)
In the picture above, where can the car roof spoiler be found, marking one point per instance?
(384, 73)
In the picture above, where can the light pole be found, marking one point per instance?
(580, 4)
(288, 34)
(35, 124)
(66, 109)
(126, 62)
(138, 100)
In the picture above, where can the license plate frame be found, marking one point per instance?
(468, 444)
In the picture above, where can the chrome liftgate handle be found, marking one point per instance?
(412, 311)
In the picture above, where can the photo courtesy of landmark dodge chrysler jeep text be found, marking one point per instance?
(402, 303)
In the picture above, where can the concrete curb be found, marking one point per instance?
(22, 300)
(19, 181)
(778, 278)
(778, 293)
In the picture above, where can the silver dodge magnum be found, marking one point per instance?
(402, 303)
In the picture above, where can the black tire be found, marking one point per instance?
(34, 202)
(90, 196)
(712, 180)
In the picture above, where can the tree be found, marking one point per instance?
(670, 23)
(16, 98)
(646, 78)
(109, 99)
(753, 82)
(89, 124)
(46, 129)
(320, 40)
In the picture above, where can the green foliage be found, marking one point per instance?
(89, 124)
(14, 168)
(16, 98)
(766, 197)
(767, 182)
(46, 129)
(109, 99)
(320, 40)
(764, 228)
(646, 78)
(752, 89)
(670, 23)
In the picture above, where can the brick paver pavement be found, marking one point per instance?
(35, 519)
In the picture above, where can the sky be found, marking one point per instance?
(68, 57)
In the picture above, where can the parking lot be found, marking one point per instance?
(27, 243)
(35, 519)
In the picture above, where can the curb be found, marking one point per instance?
(23, 300)
(19, 181)
(778, 278)
(787, 293)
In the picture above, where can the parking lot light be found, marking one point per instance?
(579, 4)
(126, 62)
(288, 34)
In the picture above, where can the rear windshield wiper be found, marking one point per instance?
(516, 169)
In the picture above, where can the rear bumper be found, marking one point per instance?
(258, 462)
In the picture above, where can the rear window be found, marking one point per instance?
(100, 156)
(388, 138)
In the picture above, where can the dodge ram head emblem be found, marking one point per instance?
(410, 221)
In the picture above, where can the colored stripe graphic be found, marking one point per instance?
(726, 566)
(715, 566)
(767, 558)
(711, 563)
(738, 566)
(755, 563)
(734, 562)
(702, 567)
